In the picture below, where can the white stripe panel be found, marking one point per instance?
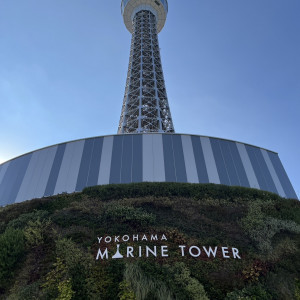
(64, 170)
(105, 164)
(68, 173)
(148, 160)
(75, 166)
(3, 171)
(210, 162)
(189, 159)
(27, 180)
(273, 173)
(248, 166)
(158, 158)
(36, 175)
(48, 157)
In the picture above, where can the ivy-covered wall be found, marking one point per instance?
(48, 247)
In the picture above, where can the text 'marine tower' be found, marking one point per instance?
(145, 106)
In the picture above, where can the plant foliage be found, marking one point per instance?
(48, 246)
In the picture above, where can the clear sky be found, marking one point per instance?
(232, 70)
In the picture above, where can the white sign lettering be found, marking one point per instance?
(194, 251)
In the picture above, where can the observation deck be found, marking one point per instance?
(158, 7)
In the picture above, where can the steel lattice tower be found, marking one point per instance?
(145, 105)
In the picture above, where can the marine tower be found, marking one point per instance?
(146, 148)
(145, 106)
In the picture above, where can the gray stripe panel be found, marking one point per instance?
(85, 164)
(3, 171)
(158, 158)
(74, 166)
(256, 167)
(169, 158)
(229, 162)
(45, 172)
(137, 163)
(248, 166)
(6, 183)
(61, 182)
(284, 179)
(179, 159)
(105, 164)
(116, 160)
(238, 164)
(13, 179)
(221, 166)
(148, 158)
(34, 176)
(55, 170)
(199, 159)
(209, 161)
(6, 180)
(261, 170)
(24, 192)
(265, 170)
(153, 158)
(189, 159)
(126, 170)
(95, 162)
(37, 174)
(273, 173)
(68, 173)
(20, 173)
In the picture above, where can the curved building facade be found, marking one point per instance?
(126, 158)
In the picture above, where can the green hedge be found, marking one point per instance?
(165, 189)
(48, 246)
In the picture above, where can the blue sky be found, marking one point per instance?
(232, 70)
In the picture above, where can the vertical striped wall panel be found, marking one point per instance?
(247, 166)
(189, 159)
(72, 166)
(105, 164)
(210, 161)
(282, 176)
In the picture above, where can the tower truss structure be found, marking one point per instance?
(145, 105)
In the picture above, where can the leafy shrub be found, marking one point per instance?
(126, 292)
(144, 286)
(58, 284)
(58, 202)
(23, 219)
(253, 272)
(284, 209)
(28, 292)
(281, 285)
(11, 251)
(36, 232)
(122, 213)
(77, 263)
(185, 286)
(65, 291)
(285, 248)
(262, 229)
(297, 289)
(251, 292)
(67, 250)
(68, 217)
(103, 281)
(169, 189)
